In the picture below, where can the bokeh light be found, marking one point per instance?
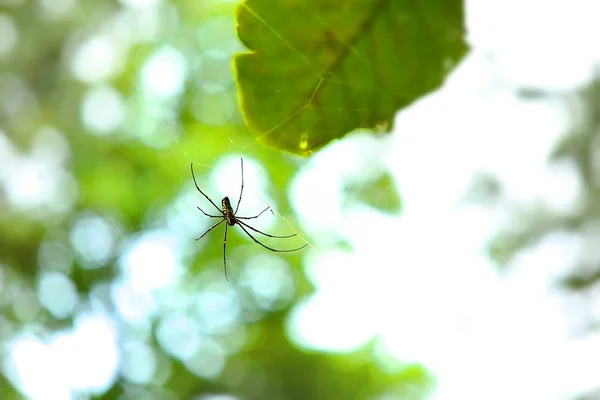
(56, 9)
(103, 110)
(57, 294)
(95, 60)
(139, 363)
(94, 240)
(8, 33)
(164, 73)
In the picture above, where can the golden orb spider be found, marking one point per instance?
(230, 216)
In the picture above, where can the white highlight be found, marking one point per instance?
(103, 110)
(83, 360)
(150, 262)
(164, 73)
(95, 60)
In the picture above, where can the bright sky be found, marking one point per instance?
(484, 335)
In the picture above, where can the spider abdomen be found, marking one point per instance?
(228, 211)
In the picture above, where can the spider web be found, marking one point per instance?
(356, 164)
(344, 177)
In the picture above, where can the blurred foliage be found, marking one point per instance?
(320, 69)
(87, 127)
(590, 396)
(579, 147)
(378, 193)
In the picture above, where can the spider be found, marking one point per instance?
(230, 216)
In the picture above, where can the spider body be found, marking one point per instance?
(227, 211)
(228, 215)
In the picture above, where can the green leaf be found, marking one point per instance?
(318, 69)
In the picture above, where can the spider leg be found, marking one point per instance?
(270, 248)
(256, 216)
(211, 228)
(198, 187)
(266, 234)
(208, 215)
(225, 253)
(242, 189)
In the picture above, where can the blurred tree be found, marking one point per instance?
(533, 222)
